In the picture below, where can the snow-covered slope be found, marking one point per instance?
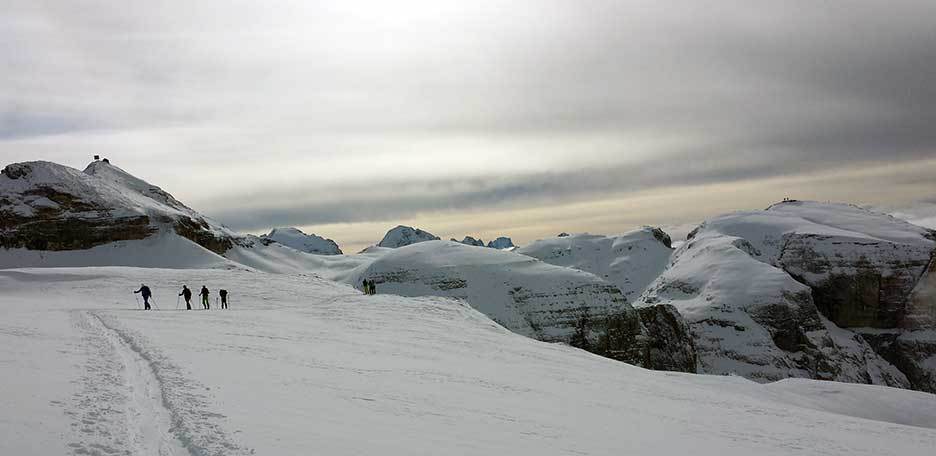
(300, 365)
(631, 261)
(49, 207)
(768, 292)
(535, 299)
(405, 235)
(308, 243)
(525, 295)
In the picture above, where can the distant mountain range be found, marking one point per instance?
(801, 289)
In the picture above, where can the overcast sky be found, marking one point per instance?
(522, 118)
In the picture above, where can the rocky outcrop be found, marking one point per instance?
(46, 206)
(753, 319)
(501, 243)
(830, 278)
(667, 343)
(468, 240)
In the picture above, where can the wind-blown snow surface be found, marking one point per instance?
(301, 365)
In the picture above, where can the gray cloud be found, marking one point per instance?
(327, 112)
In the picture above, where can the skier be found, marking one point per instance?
(373, 287)
(365, 286)
(223, 294)
(187, 294)
(145, 291)
(204, 298)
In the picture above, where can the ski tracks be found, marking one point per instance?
(134, 402)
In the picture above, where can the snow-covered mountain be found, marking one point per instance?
(308, 243)
(631, 261)
(50, 207)
(501, 243)
(807, 290)
(536, 299)
(405, 235)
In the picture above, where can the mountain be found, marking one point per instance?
(501, 243)
(308, 243)
(471, 241)
(631, 261)
(50, 207)
(405, 235)
(536, 299)
(806, 289)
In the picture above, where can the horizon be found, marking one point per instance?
(518, 119)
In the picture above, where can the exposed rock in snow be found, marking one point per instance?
(631, 261)
(752, 319)
(50, 207)
(563, 234)
(821, 267)
(527, 296)
(308, 243)
(405, 235)
(501, 243)
(471, 241)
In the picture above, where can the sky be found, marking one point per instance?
(483, 118)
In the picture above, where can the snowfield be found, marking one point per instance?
(301, 365)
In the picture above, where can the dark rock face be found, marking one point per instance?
(856, 283)
(667, 343)
(909, 352)
(199, 232)
(53, 227)
(661, 236)
(921, 311)
(46, 206)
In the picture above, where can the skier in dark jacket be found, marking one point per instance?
(187, 294)
(373, 287)
(365, 287)
(223, 294)
(204, 297)
(146, 293)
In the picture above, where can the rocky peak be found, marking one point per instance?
(405, 235)
(501, 243)
(309, 243)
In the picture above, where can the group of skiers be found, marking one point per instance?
(186, 293)
(369, 287)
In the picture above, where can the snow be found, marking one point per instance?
(525, 295)
(308, 243)
(631, 261)
(719, 287)
(163, 250)
(405, 235)
(301, 365)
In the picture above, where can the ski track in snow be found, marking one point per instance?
(134, 402)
